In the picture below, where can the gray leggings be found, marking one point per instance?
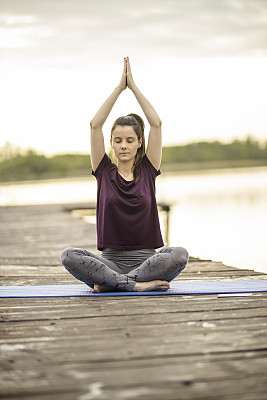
(92, 269)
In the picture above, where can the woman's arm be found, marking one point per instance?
(154, 146)
(97, 137)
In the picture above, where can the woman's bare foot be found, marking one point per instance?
(102, 289)
(151, 286)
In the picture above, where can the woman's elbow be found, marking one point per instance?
(92, 124)
(157, 123)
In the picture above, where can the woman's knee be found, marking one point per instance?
(180, 255)
(66, 256)
(73, 258)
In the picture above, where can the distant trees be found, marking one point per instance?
(249, 149)
(15, 165)
(18, 165)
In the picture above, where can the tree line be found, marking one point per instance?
(248, 149)
(16, 165)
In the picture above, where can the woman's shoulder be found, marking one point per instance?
(105, 164)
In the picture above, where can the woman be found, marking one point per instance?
(128, 230)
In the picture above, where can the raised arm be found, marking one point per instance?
(96, 124)
(154, 146)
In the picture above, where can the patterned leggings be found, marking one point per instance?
(91, 269)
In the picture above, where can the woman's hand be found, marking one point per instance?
(130, 81)
(123, 82)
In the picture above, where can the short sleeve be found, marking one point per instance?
(104, 163)
(150, 166)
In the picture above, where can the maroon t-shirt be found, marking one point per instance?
(126, 212)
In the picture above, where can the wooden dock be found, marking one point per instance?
(137, 347)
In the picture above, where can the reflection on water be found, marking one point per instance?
(233, 230)
(49, 192)
(220, 214)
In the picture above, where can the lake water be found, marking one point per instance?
(215, 214)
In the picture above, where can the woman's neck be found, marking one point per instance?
(125, 170)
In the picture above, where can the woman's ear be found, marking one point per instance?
(111, 143)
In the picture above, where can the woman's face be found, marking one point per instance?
(125, 143)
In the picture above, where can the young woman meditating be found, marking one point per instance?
(128, 230)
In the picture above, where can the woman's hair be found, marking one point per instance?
(138, 125)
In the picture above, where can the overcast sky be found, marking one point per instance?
(201, 63)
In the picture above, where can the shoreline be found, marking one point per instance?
(183, 168)
(212, 165)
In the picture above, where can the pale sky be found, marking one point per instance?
(201, 63)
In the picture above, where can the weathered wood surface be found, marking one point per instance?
(160, 347)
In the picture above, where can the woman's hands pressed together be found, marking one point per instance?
(126, 78)
(130, 81)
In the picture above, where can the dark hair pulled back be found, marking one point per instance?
(138, 125)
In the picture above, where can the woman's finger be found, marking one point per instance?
(128, 65)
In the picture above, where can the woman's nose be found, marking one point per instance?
(123, 145)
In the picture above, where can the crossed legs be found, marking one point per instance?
(155, 273)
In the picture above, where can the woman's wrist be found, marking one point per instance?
(119, 89)
(133, 87)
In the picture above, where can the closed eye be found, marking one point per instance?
(129, 140)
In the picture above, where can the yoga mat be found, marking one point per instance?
(177, 287)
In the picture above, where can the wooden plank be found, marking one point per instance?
(132, 376)
(131, 309)
(147, 375)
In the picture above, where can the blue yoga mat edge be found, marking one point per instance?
(177, 287)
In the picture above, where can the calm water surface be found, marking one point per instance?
(219, 214)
